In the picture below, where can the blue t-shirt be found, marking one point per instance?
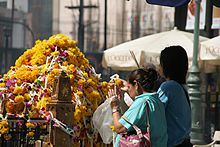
(178, 112)
(136, 114)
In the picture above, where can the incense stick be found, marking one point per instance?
(135, 59)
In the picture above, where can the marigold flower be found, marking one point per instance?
(112, 127)
(56, 65)
(91, 82)
(4, 123)
(19, 99)
(65, 63)
(104, 84)
(4, 130)
(30, 125)
(2, 85)
(30, 134)
(79, 93)
(17, 90)
(119, 82)
(43, 126)
(9, 107)
(81, 82)
(27, 97)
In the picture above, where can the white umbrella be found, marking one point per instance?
(146, 49)
(210, 54)
(210, 49)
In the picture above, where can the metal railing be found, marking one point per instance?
(19, 134)
(212, 119)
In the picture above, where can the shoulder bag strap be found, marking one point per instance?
(148, 116)
(187, 95)
(139, 133)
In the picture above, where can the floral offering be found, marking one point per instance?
(26, 89)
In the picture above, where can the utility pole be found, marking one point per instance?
(81, 22)
(7, 33)
(193, 82)
(135, 27)
(81, 26)
(123, 21)
(105, 27)
(180, 17)
(9, 43)
(208, 21)
(12, 19)
(209, 33)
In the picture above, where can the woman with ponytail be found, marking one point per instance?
(140, 87)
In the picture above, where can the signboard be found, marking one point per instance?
(190, 21)
(191, 16)
(216, 18)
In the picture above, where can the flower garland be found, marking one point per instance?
(27, 87)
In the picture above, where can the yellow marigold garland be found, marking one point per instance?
(28, 84)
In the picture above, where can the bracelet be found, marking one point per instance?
(115, 110)
(113, 97)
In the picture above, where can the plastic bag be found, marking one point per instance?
(128, 100)
(102, 120)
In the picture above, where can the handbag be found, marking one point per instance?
(171, 3)
(136, 140)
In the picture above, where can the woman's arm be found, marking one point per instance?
(116, 115)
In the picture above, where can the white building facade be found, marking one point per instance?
(126, 20)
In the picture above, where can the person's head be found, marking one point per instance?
(141, 80)
(174, 63)
(149, 65)
(160, 79)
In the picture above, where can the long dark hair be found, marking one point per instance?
(146, 78)
(174, 62)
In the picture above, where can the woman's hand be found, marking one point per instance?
(112, 94)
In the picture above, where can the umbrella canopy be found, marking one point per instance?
(210, 49)
(210, 54)
(146, 49)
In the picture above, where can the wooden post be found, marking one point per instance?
(62, 108)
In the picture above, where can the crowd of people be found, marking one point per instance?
(160, 99)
